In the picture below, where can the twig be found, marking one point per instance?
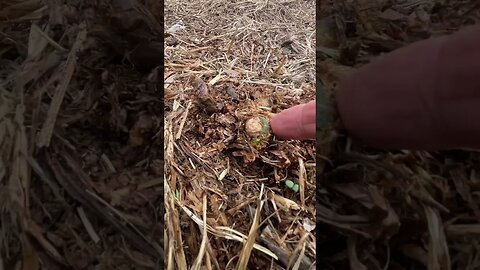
(46, 132)
(252, 235)
(88, 226)
(182, 122)
(198, 261)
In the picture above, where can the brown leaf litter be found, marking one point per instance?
(391, 210)
(229, 67)
(81, 162)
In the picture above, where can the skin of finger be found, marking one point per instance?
(423, 96)
(295, 123)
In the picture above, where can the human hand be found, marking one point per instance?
(296, 123)
(424, 96)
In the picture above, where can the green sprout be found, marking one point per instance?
(265, 125)
(257, 142)
(292, 185)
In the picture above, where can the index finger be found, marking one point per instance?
(296, 123)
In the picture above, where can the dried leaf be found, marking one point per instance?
(206, 101)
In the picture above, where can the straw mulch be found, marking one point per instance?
(81, 117)
(227, 204)
(392, 210)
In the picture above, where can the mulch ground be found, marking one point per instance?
(228, 65)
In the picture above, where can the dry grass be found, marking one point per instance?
(255, 58)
